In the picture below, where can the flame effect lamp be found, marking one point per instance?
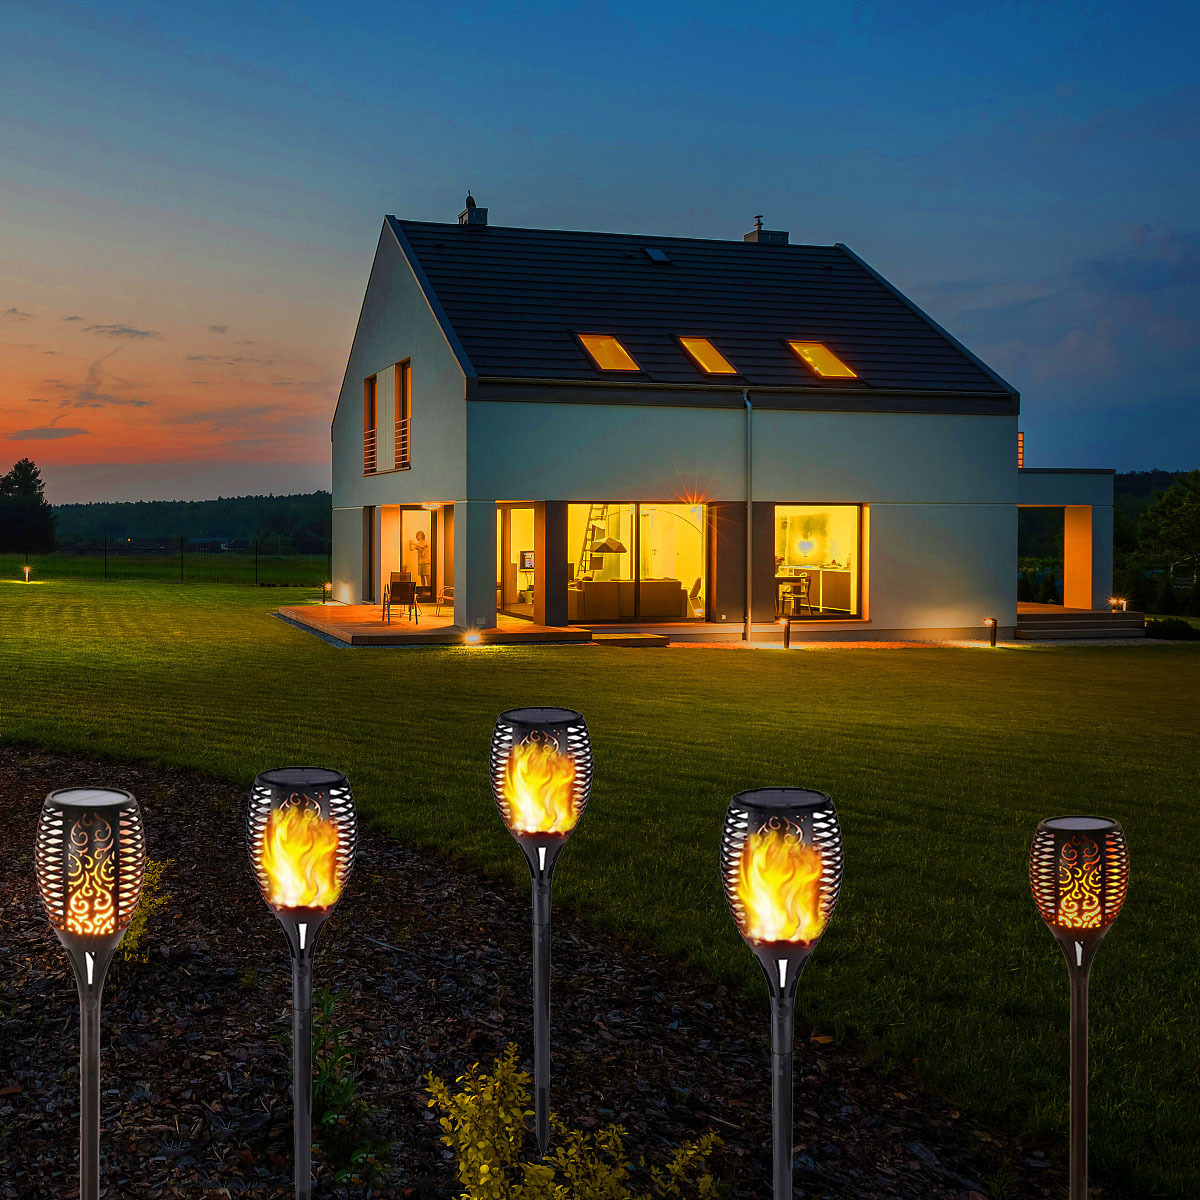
(301, 831)
(781, 861)
(541, 775)
(90, 855)
(1079, 873)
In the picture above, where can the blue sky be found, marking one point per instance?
(211, 180)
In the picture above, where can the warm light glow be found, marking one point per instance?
(1080, 873)
(607, 352)
(27, 570)
(472, 639)
(431, 507)
(539, 789)
(779, 886)
(823, 360)
(299, 858)
(91, 879)
(707, 356)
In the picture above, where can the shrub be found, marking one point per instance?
(1140, 594)
(345, 1139)
(1173, 628)
(1025, 591)
(1193, 605)
(1165, 602)
(485, 1124)
(1048, 590)
(152, 899)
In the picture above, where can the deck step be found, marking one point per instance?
(631, 639)
(1087, 631)
(1050, 626)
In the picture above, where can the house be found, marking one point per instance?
(597, 428)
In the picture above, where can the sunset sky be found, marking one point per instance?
(190, 196)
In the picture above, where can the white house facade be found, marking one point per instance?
(600, 429)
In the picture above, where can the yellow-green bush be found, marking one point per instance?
(485, 1122)
(152, 898)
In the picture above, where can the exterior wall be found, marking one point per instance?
(395, 324)
(941, 490)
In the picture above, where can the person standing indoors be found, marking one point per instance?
(421, 546)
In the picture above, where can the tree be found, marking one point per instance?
(1166, 602)
(26, 520)
(1170, 528)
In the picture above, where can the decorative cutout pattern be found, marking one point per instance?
(568, 742)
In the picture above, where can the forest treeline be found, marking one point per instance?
(307, 515)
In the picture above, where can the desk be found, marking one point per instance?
(828, 589)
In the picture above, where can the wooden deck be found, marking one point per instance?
(361, 625)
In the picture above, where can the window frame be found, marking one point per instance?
(636, 369)
(684, 338)
(793, 345)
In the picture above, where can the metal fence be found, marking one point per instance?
(254, 562)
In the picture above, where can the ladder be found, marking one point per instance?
(597, 520)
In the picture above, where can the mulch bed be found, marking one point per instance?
(430, 963)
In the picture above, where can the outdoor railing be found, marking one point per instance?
(402, 442)
(369, 457)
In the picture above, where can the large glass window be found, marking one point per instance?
(818, 556)
(515, 569)
(635, 562)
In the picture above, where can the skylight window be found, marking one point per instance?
(708, 358)
(822, 360)
(607, 353)
(654, 254)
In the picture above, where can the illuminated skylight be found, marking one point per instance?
(607, 353)
(822, 360)
(708, 358)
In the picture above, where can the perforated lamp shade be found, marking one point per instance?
(1079, 873)
(90, 857)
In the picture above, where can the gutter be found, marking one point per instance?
(748, 633)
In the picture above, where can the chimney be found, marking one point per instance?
(773, 237)
(476, 216)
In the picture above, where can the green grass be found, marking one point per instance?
(941, 762)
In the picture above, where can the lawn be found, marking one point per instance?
(941, 763)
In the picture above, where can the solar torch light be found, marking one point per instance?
(1079, 873)
(781, 861)
(541, 774)
(90, 855)
(301, 831)
(28, 568)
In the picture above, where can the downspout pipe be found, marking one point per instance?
(747, 634)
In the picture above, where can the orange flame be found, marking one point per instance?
(91, 875)
(779, 886)
(539, 789)
(299, 857)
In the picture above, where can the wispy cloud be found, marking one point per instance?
(16, 314)
(45, 433)
(1169, 258)
(224, 360)
(123, 331)
(73, 318)
(218, 329)
(232, 417)
(90, 393)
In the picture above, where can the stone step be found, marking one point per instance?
(1079, 631)
(631, 639)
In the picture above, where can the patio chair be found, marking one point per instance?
(445, 596)
(798, 594)
(402, 592)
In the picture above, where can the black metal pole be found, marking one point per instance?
(1079, 1083)
(541, 1007)
(782, 1035)
(302, 977)
(89, 1095)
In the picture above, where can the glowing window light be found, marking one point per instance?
(708, 358)
(821, 360)
(608, 353)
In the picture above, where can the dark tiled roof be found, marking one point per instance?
(516, 298)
